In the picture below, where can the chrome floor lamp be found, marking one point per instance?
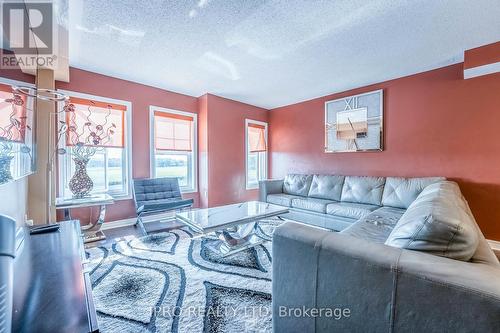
(49, 95)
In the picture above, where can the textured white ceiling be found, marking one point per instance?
(274, 53)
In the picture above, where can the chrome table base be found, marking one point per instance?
(91, 232)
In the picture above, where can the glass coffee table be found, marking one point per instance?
(233, 228)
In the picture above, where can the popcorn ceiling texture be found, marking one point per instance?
(274, 53)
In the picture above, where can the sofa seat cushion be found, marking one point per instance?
(297, 184)
(326, 187)
(365, 190)
(376, 226)
(350, 209)
(437, 222)
(313, 204)
(401, 192)
(281, 199)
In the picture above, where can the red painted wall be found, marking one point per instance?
(203, 150)
(483, 55)
(142, 97)
(221, 136)
(225, 179)
(436, 123)
(16, 74)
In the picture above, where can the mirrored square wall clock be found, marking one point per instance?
(355, 123)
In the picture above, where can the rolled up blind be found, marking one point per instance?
(173, 132)
(256, 138)
(12, 115)
(94, 123)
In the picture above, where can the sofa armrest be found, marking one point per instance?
(270, 186)
(467, 294)
(382, 287)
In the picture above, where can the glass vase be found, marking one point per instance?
(80, 184)
(5, 174)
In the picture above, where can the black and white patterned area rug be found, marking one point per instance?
(172, 282)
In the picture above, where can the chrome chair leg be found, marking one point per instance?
(140, 223)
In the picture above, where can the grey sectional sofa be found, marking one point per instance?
(336, 202)
(408, 257)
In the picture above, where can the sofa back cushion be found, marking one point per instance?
(326, 187)
(401, 192)
(437, 222)
(297, 184)
(156, 189)
(366, 190)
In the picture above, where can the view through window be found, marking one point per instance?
(174, 140)
(94, 118)
(256, 152)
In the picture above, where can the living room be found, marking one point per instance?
(263, 166)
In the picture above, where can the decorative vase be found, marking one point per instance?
(5, 174)
(80, 184)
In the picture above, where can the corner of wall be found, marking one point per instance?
(203, 150)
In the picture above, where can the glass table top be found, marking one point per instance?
(217, 218)
(91, 200)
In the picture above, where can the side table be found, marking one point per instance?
(91, 232)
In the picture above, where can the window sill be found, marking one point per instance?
(189, 191)
(252, 187)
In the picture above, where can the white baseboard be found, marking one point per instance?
(118, 223)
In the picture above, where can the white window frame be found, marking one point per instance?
(194, 138)
(253, 186)
(64, 162)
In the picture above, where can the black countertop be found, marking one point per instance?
(50, 287)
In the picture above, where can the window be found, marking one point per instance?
(256, 152)
(105, 125)
(16, 117)
(173, 146)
